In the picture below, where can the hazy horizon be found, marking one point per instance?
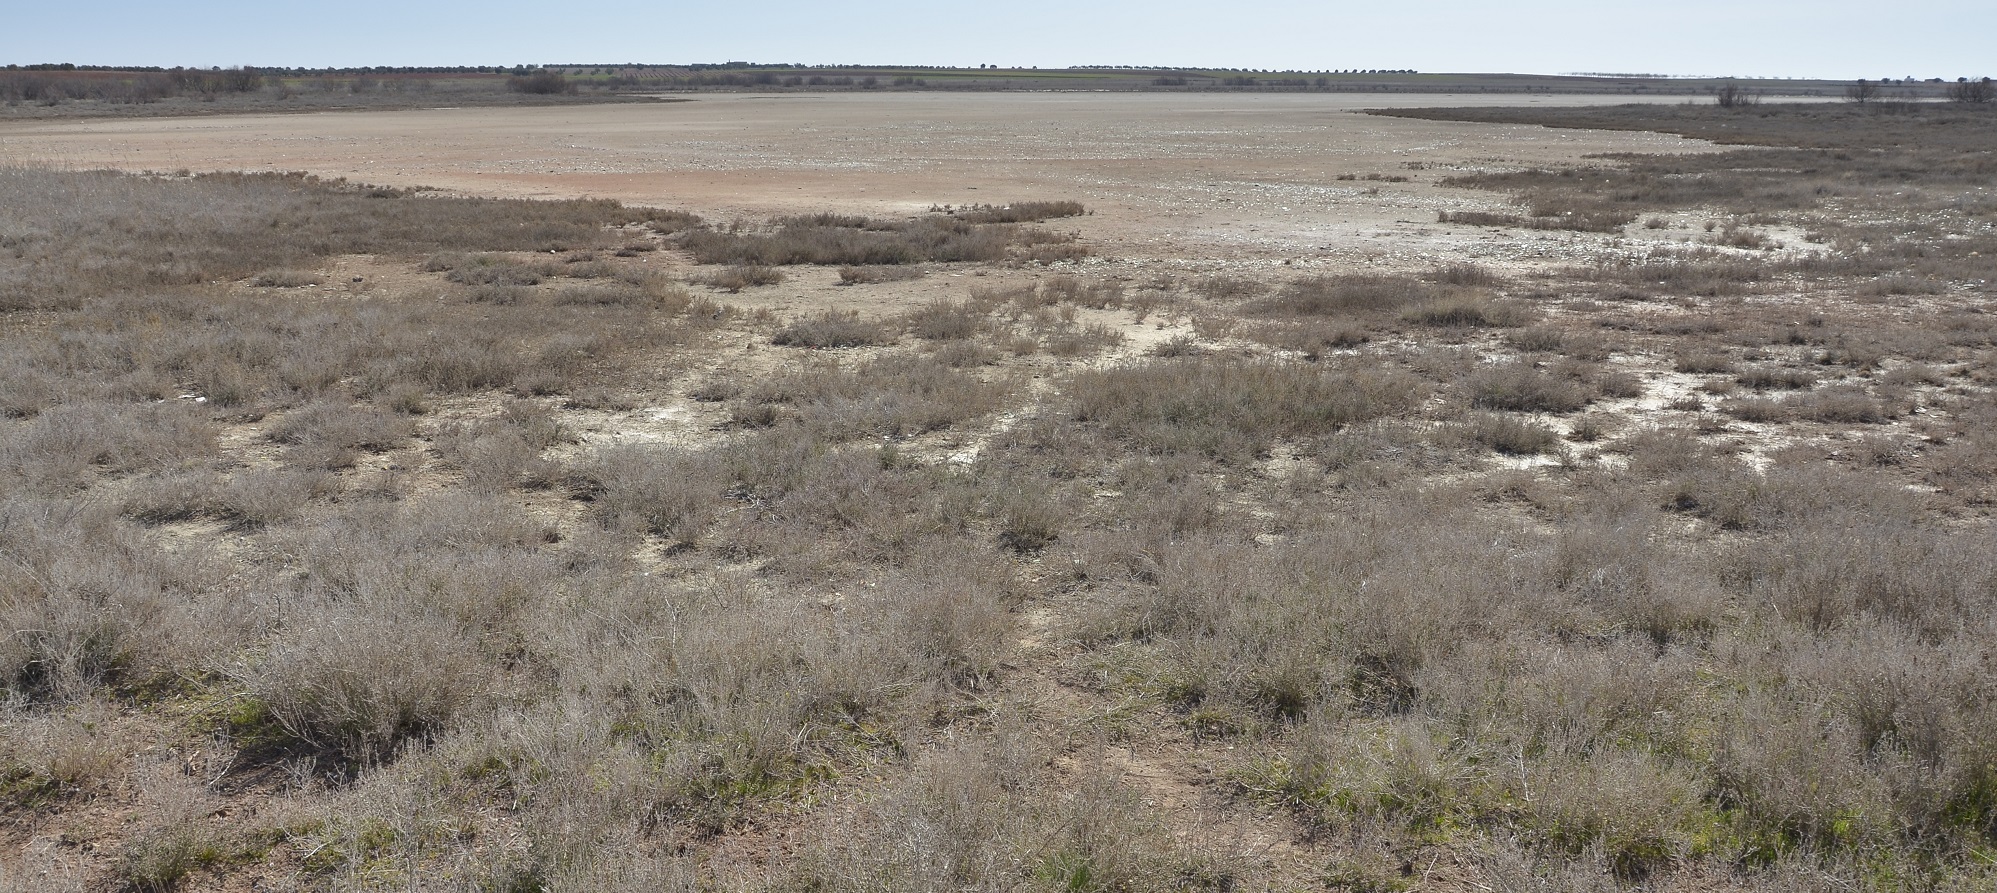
(1837, 39)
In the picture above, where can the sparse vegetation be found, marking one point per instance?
(838, 240)
(505, 563)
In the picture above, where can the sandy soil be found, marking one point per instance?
(1174, 178)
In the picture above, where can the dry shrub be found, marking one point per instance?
(808, 508)
(1083, 340)
(263, 497)
(1846, 404)
(1511, 436)
(1579, 222)
(1228, 288)
(830, 239)
(1177, 346)
(1619, 385)
(1736, 498)
(1311, 337)
(890, 396)
(488, 269)
(741, 276)
(1702, 362)
(328, 434)
(1467, 275)
(496, 455)
(833, 328)
(1019, 212)
(1758, 409)
(1618, 561)
(66, 446)
(1832, 568)
(86, 601)
(1100, 295)
(1656, 453)
(174, 844)
(1050, 252)
(954, 821)
(1229, 409)
(1639, 809)
(945, 320)
(876, 274)
(1763, 378)
(1067, 293)
(620, 295)
(52, 753)
(1467, 311)
(1348, 294)
(362, 682)
(1518, 387)
(963, 354)
(665, 492)
(734, 693)
(950, 609)
(1537, 339)
(1028, 519)
(983, 816)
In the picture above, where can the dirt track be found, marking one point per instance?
(1173, 177)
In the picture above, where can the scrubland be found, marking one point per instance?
(362, 538)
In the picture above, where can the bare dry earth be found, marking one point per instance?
(1175, 179)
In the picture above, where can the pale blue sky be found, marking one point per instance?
(1827, 38)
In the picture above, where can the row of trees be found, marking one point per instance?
(50, 85)
(1966, 90)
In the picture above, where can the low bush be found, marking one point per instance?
(1846, 404)
(487, 269)
(1763, 378)
(1518, 387)
(891, 396)
(1228, 288)
(361, 683)
(667, 493)
(1758, 409)
(946, 320)
(1702, 363)
(1605, 222)
(1511, 436)
(1228, 409)
(1349, 294)
(1081, 341)
(833, 328)
(1467, 311)
(1311, 337)
(741, 276)
(875, 274)
(1019, 212)
(1537, 339)
(827, 239)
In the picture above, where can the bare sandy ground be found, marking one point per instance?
(1181, 179)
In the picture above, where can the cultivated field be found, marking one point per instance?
(1000, 492)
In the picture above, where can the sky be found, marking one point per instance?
(1837, 39)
